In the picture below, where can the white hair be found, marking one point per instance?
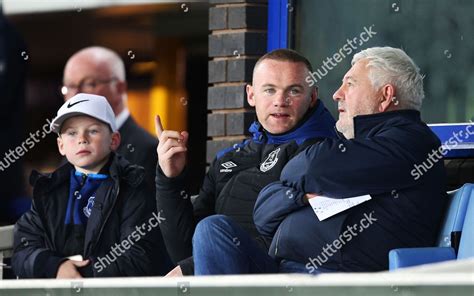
(394, 66)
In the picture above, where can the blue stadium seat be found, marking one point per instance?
(458, 222)
(466, 246)
(455, 214)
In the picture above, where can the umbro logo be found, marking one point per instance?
(69, 105)
(227, 167)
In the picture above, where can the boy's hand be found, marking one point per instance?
(172, 149)
(68, 269)
(176, 272)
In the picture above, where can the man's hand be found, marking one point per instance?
(68, 269)
(175, 272)
(308, 196)
(172, 149)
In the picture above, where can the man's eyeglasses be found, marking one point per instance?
(87, 85)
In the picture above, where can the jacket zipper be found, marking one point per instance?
(107, 217)
(278, 239)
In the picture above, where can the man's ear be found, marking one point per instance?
(388, 98)
(115, 141)
(59, 140)
(314, 96)
(121, 86)
(250, 95)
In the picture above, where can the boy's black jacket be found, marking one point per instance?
(121, 205)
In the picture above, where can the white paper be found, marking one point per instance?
(325, 207)
(75, 258)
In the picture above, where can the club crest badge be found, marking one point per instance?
(88, 208)
(270, 161)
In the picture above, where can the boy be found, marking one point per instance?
(90, 207)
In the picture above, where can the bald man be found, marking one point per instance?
(101, 71)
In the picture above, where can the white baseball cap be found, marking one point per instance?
(85, 104)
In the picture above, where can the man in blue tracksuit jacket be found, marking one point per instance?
(290, 118)
(382, 141)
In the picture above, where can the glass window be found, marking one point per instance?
(437, 34)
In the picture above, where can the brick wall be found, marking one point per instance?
(238, 37)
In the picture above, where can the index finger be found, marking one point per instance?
(158, 126)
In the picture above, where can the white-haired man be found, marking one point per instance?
(382, 138)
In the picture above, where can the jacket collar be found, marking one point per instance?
(130, 173)
(365, 124)
(317, 123)
(118, 167)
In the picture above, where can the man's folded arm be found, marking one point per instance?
(341, 168)
(276, 201)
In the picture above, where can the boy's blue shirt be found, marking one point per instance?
(82, 191)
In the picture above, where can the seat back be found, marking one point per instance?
(455, 214)
(466, 245)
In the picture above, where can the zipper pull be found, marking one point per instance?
(83, 180)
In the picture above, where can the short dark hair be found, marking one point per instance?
(285, 55)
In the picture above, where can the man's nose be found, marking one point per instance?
(281, 99)
(338, 95)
